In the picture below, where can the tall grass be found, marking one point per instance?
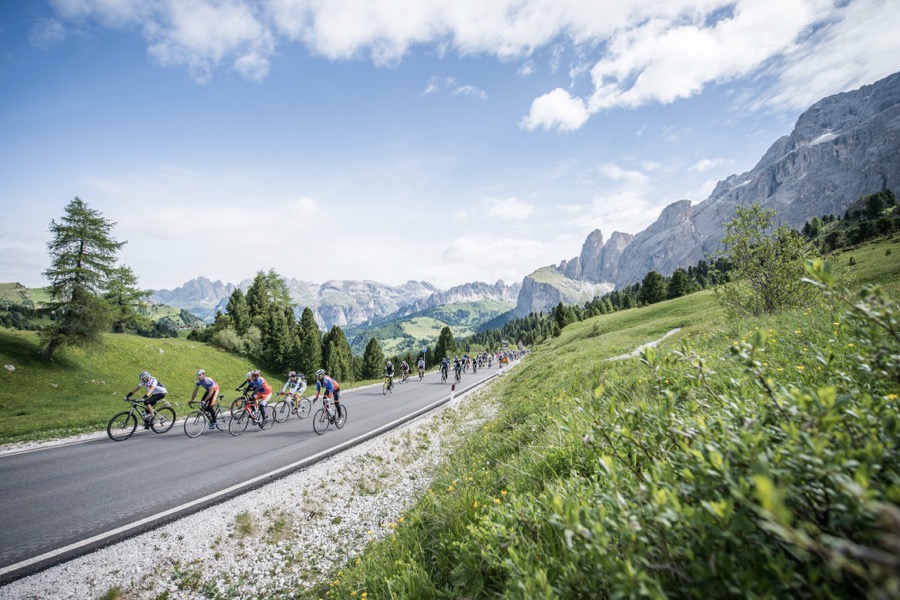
(754, 458)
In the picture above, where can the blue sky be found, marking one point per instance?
(446, 141)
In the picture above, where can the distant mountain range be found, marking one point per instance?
(843, 147)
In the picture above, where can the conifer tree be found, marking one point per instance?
(372, 360)
(83, 257)
(125, 299)
(446, 345)
(337, 356)
(238, 311)
(310, 344)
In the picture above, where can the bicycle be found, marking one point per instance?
(198, 420)
(388, 385)
(443, 375)
(325, 416)
(458, 375)
(122, 425)
(404, 377)
(285, 408)
(243, 414)
(421, 373)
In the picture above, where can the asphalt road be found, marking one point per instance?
(60, 502)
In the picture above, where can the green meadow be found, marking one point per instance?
(753, 458)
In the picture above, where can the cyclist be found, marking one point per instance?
(331, 387)
(389, 373)
(262, 391)
(294, 387)
(154, 392)
(210, 395)
(458, 367)
(445, 367)
(421, 365)
(404, 371)
(246, 382)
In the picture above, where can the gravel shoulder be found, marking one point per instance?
(287, 535)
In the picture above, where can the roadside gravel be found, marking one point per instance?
(287, 535)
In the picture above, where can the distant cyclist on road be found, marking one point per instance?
(210, 395)
(331, 387)
(421, 366)
(262, 391)
(445, 367)
(389, 373)
(404, 371)
(155, 391)
(294, 387)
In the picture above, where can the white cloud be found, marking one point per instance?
(556, 110)
(527, 68)
(511, 209)
(47, 33)
(470, 90)
(705, 164)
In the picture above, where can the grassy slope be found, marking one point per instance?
(507, 516)
(81, 389)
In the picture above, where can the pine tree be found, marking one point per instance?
(310, 358)
(276, 341)
(373, 360)
(83, 257)
(679, 284)
(446, 345)
(125, 299)
(238, 311)
(337, 356)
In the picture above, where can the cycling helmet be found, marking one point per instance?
(201, 372)
(249, 375)
(144, 375)
(320, 373)
(292, 374)
(254, 373)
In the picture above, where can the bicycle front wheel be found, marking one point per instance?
(281, 411)
(236, 407)
(223, 417)
(238, 423)
(121, 426)
(194, 424)
(341, 416)
(320, 421)
(165, 419)
(303, 408)
(384, 388)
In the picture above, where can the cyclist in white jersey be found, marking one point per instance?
(154, 392)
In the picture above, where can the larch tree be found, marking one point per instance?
(83, 259)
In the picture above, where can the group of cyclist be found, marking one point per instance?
(255, 386)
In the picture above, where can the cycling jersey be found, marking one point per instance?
(294, 387)
(331, 386)
(154, 384)
(206, 383)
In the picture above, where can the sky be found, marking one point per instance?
(446, 141)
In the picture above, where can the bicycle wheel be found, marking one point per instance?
(341, 416)
(238, 423)
(303, 408)
(320, 421)
(281, 411)
(237, 406)
(268, 421)
(194, 424)
(121, 426)
(223, 417)
(165, 418)
(384, 388)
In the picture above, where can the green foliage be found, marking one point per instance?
(446, 344)
(238, 311)
(336, 357)
(767, 264)
(309, 359)
(679, 284)
(82, 257)
(754, 458)
(653, 288)
(125, 300)
(372, 360)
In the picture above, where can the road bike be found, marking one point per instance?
(444, 375)
(327, 416)
(198, 420)
(421, 373)
(404, 376)
(388, 385)
(122, 425)
(287, 407)
(458, 375)
(244, 414)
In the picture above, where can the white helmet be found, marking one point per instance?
(319, 373)
(201, 372)
(144, 375)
